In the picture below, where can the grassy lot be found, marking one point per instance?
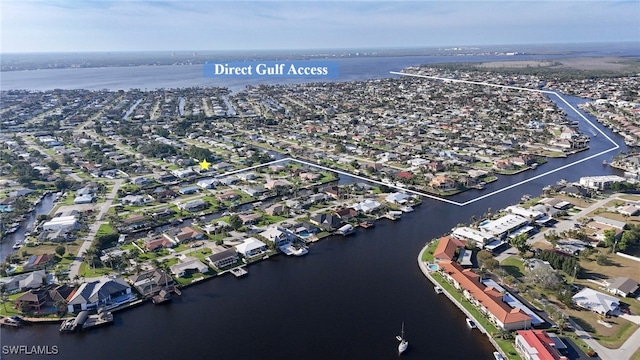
(614, 216)
(630, 197)
(581, 203)
(86, 271)
(105, 229)
(636, 355)
(513, 266)
(612, 337)
(48, 248)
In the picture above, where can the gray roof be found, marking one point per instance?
(624, 284)
(96, 291)
(222, 255)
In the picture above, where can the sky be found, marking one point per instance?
(136, 25)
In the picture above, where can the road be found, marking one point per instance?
(74, 269)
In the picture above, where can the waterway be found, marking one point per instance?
(346, 299)
(44, 207)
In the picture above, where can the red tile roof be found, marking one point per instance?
(446, 249)
(543, 344)
(489, 297)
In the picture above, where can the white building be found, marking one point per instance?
(504, 225)
(600, 182)
(61, 223)
(481, 238)
(251, 247)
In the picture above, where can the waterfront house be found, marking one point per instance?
(397, 198)
(34, 300)
(596, 301)
(150, 282)
(480, 238)
(276, 209)
(622, 286)
(158, 243)
(136, 200)
(328, 222)
(278, 183)
(182, 235)
(228, 196)
(250, 218)
(223, 258)
(36, 262)
(537, 344)
(278, 235)
(346, 214)
(188, 265)
(111, 292)
(251, 247)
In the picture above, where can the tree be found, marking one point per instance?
(609, 237)
(491, 264)
(235, 221)
(53, 165)
(60, 250)
(520, 243)
(545, 277)
(484, 255)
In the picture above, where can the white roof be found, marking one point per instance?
(249, 244)
(366, 206)
(524, 212)
(502, 225)
(397, 197)
(61, 220)
(467, 233)
(595, 301)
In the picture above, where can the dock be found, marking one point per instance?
(239, 271)
(9, 321)
(85, 321)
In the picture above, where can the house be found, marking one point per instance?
(83, 199)
(181, 174)
(208, 183)
(307, 176)
(39, 261)
(327, 222)
(228, 196)
(135, 222)
(278, 183)
(222, 259)
(108, 293)
(538, 345)
(136, 200)
(277, 235)
(251, 218)
(188, 265)
(397, 198)
(446, 249)
(346, 214)
(486, 298)
(251, 247)
(596, 301)
(622, 286)
(158, 243)
(367, 206)
(182, 235)
(276, 209)
(141, 181)
(24, 281)
(188, 190)
(34, 300)
(332, 191)
(195, 205)
(150, 282)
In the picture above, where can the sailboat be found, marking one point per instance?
(403, 342)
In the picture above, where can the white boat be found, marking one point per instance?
(406, 209)
(498, 356)
(470, 323)
(403, 342)
(438, 289)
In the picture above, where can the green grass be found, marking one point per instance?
(86, 271)
(105, 229)
(427, 254)
(513, 266)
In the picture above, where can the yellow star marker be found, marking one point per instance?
(204, 165)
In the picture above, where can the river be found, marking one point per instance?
(44, 207)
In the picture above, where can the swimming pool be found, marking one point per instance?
(433, 267)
